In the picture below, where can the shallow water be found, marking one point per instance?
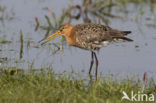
(123, 58)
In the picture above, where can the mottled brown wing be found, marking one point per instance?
(91, 32)
(96, 32)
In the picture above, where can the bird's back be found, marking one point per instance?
(94, 36)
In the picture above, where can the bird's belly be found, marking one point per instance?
(93, 45)
(102, 43)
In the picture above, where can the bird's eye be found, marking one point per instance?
(61, 29)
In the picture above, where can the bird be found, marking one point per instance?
(91, 37)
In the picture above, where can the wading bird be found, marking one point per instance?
(90, 37)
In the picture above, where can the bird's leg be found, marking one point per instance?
(96, 66)
(90, 77)
(92, 61)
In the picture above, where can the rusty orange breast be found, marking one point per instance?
(70, 38)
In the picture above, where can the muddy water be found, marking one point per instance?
(136, 57)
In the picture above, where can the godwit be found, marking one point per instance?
(90, 37)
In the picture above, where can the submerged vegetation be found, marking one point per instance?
(93, 11)
(47, 87)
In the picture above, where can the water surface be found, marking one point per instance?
(123, 58)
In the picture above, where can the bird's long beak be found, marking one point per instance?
(58, 33)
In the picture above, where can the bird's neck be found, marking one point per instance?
(70, 36)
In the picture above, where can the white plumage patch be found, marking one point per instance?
(103, 43)
(118, 40)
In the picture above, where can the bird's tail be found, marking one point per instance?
(126, 32)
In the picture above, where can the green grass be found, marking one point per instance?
(47, 87)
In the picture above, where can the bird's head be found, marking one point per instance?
(64, 30)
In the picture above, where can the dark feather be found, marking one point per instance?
(127, 32)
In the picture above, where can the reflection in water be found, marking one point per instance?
(21, 47)
(136, 57)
